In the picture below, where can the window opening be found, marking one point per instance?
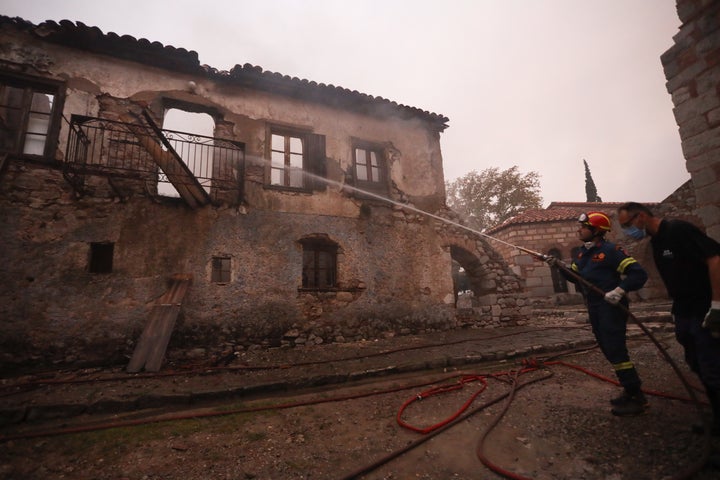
(286, 160)
(319, 264)
(197, 157)
(27, 117)
(367, 165)
(221, 269)
(101, 257)
(296, 159)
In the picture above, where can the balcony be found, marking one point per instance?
(163, 163)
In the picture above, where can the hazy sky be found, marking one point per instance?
(541, 84)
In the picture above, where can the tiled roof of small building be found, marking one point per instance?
(92, 39)
(589, 206)
(537, 215)
(557, 211)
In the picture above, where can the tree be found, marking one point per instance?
(590, 191)
(492, 196)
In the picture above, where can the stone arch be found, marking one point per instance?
(473, 275)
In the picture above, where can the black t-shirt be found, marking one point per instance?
(681, 251)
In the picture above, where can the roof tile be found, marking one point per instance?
(80, 36)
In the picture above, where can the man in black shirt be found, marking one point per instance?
(689, 263)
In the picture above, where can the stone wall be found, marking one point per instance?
(692, 70)
(561, 237)
(538, 237)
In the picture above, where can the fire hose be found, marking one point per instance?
(688, 473)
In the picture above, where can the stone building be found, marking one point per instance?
(692, 70)
(547, 231)
(300, 217)
(554, 231)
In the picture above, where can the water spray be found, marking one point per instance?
(344, 186)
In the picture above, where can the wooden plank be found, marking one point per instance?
(180, 167)
(174, 167)
(150, 350)
(165, 317)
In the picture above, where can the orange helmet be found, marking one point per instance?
(596, 221)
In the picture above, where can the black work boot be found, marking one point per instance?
(629, 404)
(624, 396)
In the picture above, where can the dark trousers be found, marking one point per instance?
(702, 350)
(609, 325)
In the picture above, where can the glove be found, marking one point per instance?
(554, 261)
(712, 319)
(614, 296)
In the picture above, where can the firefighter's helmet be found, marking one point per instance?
(597, 221)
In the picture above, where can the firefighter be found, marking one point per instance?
(607, 266)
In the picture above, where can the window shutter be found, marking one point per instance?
(316, 161)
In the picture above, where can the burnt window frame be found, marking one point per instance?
(31, 85)
(380, 185)
(101, 257)
(313, 158)
(218, 274)
(313, 250)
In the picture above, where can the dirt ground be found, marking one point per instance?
(557, 428)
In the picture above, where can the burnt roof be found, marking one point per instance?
(91, 39)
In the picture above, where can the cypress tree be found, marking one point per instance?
(590, 190)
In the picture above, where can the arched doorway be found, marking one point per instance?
(468, 274)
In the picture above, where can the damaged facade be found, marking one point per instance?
(277, 216)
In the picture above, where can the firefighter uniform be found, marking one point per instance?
(613, 272)
(604, 264)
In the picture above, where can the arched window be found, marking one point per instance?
(558, 281)
(319, 270)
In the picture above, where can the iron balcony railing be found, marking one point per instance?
(98, 146)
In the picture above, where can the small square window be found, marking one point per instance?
(221, 269)
(101, 257)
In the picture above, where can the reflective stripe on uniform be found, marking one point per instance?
(623, 366)
(624, 264)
